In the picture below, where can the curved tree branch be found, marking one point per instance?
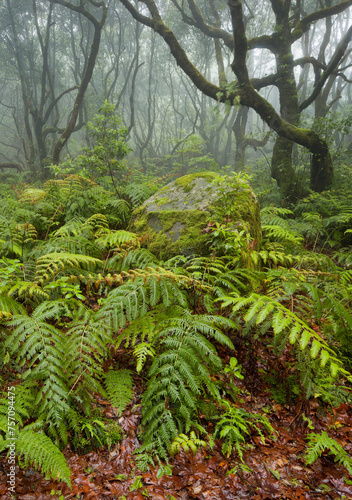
(339, 54)
(304, 23)
(155, 22)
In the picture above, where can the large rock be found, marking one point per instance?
(174, 216)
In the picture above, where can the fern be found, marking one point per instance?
(28, 289)
(138, 193)
(23, 405)
(235, 424)
(50, 265)
(119, 388)
(71, 228)
(38, 450)
(288, 326)
(41, 344)
(32, 195)
(84, 351)
(178, 377)
(145, 289)
(188, 443)
(8, 305)
(78, 244)
(219, 274)
(118, 238)
(131, 258)
(121, 208)
(146, 328)
(318, 443)
(279, 233)
(96, 223)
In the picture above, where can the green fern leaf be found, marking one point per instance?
(318, 443)
(39, 450)
(304, 340)
(119, 388)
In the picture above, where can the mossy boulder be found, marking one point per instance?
(175, 216)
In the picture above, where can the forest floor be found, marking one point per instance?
(275, 469)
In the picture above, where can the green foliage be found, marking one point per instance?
(39, 451)
(233, 189)
(235, 424)
(188, 443)
(287, 328)
(109, 149)
(119, 388)
(77, 289)
(318, 443)
(50, 265)
(179, 375)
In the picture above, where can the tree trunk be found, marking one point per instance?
(321, 170)
(282, 170)
(239, 130)
(94, 49)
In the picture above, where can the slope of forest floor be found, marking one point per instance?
(274, 469)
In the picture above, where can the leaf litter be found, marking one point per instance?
(275, 469)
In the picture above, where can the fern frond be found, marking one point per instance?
(138, 193)
(40, 344)
(84, 351)
(188, 443)
(121, 208)
(50, 265)
(235, 424)
(131, 258)
(281, 234)
(118, 385)
(144, 289)
(117, 238)
(23, 403)
(38, 450)
(32, 195)
(28, 289)
(71, 228)
(70, 244)
(179, 375)
(318, 443)
(9, 305)
(96, 223)
(261, 308)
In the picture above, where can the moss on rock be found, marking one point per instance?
(174, 217)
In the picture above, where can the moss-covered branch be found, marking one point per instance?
(155, 22)
(304, 24)
(239, 65)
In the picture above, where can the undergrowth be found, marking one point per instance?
(77, 287)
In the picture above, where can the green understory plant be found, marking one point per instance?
(319, 443)
(235, 424)
(78, 290)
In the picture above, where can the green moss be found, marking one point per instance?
(187, 180)
(161, 243)
(287, 59)
(162, 201)
(178, 231)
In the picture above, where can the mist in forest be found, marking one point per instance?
(231, 86)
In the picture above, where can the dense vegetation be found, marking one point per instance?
(90, 318)
(80, 295)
